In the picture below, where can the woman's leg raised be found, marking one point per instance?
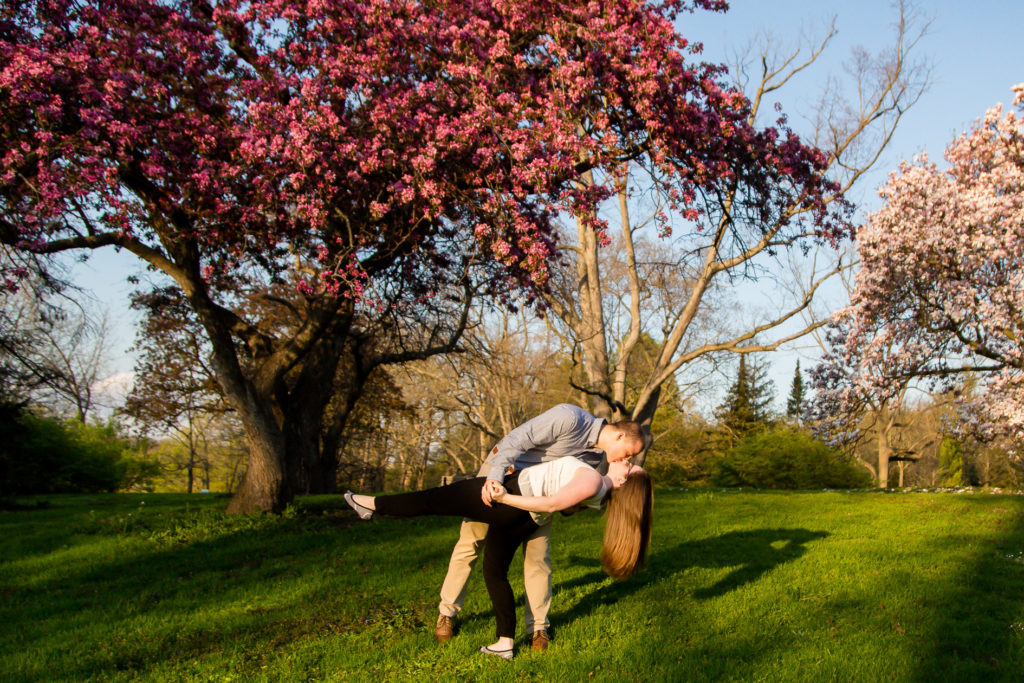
(461, 499)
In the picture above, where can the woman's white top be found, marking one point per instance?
(546, 478)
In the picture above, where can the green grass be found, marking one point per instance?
(740, 586)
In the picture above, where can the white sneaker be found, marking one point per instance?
(504, 654)
(361, 510)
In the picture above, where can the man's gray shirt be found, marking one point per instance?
(565, 430)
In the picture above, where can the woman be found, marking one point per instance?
(525, 501)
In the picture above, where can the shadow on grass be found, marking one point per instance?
(979, 632)
(257, 590)
(753, 553)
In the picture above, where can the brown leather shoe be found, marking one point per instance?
(541, 640)
(445, 628)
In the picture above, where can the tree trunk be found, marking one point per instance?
(191, 460)
(302, 455)
(591, 324)
(884, 453)
(421, 470)
(284, 426)
(265, 486)
(645, 416)
(324, 477)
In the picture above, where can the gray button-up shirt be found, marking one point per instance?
(565, 430)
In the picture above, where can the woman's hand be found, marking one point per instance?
(487, 491)
(498, 493)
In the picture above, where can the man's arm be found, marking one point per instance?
(540, 431)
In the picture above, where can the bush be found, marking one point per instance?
(668, 471)
(48, 455)
(787, 458)
(683, 453)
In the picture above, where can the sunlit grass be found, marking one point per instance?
(740, 586)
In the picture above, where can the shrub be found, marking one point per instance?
(683, 453)
(787, 458)
(667, 471)
(49, 455)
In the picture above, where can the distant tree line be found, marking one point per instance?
(420, 421)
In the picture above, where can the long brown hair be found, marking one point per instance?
(627, 527)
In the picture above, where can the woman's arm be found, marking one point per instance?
(584, 484)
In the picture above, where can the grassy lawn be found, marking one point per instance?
(742, 586)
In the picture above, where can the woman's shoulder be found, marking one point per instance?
(562, 469)
(581, 471)
(571, 464)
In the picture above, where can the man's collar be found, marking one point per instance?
(595, 431)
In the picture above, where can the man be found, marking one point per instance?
(561, 432)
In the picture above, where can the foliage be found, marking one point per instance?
(49, 455)
(53, 349)
(175, 393)
(683, 450)
(861, 393)
(507, 371)
(218, 462)
(469, 133)
(740, 586)
(787, 458)
(995, 463)
(173, 381)
(26, 313)
(918, 434)
(383, 433)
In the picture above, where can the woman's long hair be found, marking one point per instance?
(627, 528)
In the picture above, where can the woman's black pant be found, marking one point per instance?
(509, 527)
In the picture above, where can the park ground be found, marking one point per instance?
(740, 586)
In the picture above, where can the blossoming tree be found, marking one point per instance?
(940, 290)
(860, 392)
(385, 160)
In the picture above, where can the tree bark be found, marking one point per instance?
(265, 486)
(885, 420)
(592, 328)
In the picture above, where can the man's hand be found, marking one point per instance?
(498, 495)
(490, 488)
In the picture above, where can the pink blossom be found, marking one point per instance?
(940, 287)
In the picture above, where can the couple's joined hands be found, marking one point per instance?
(492, 491)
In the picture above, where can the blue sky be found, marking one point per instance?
(975, 56)
(973, 51)
(973, 48)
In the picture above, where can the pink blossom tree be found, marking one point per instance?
(386, 161)
(940, 290)
(861, 387)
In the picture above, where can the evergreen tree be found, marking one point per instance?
(795, 404)
(951, 460)
(747, 406)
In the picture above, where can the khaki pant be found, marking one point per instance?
(536, 571)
